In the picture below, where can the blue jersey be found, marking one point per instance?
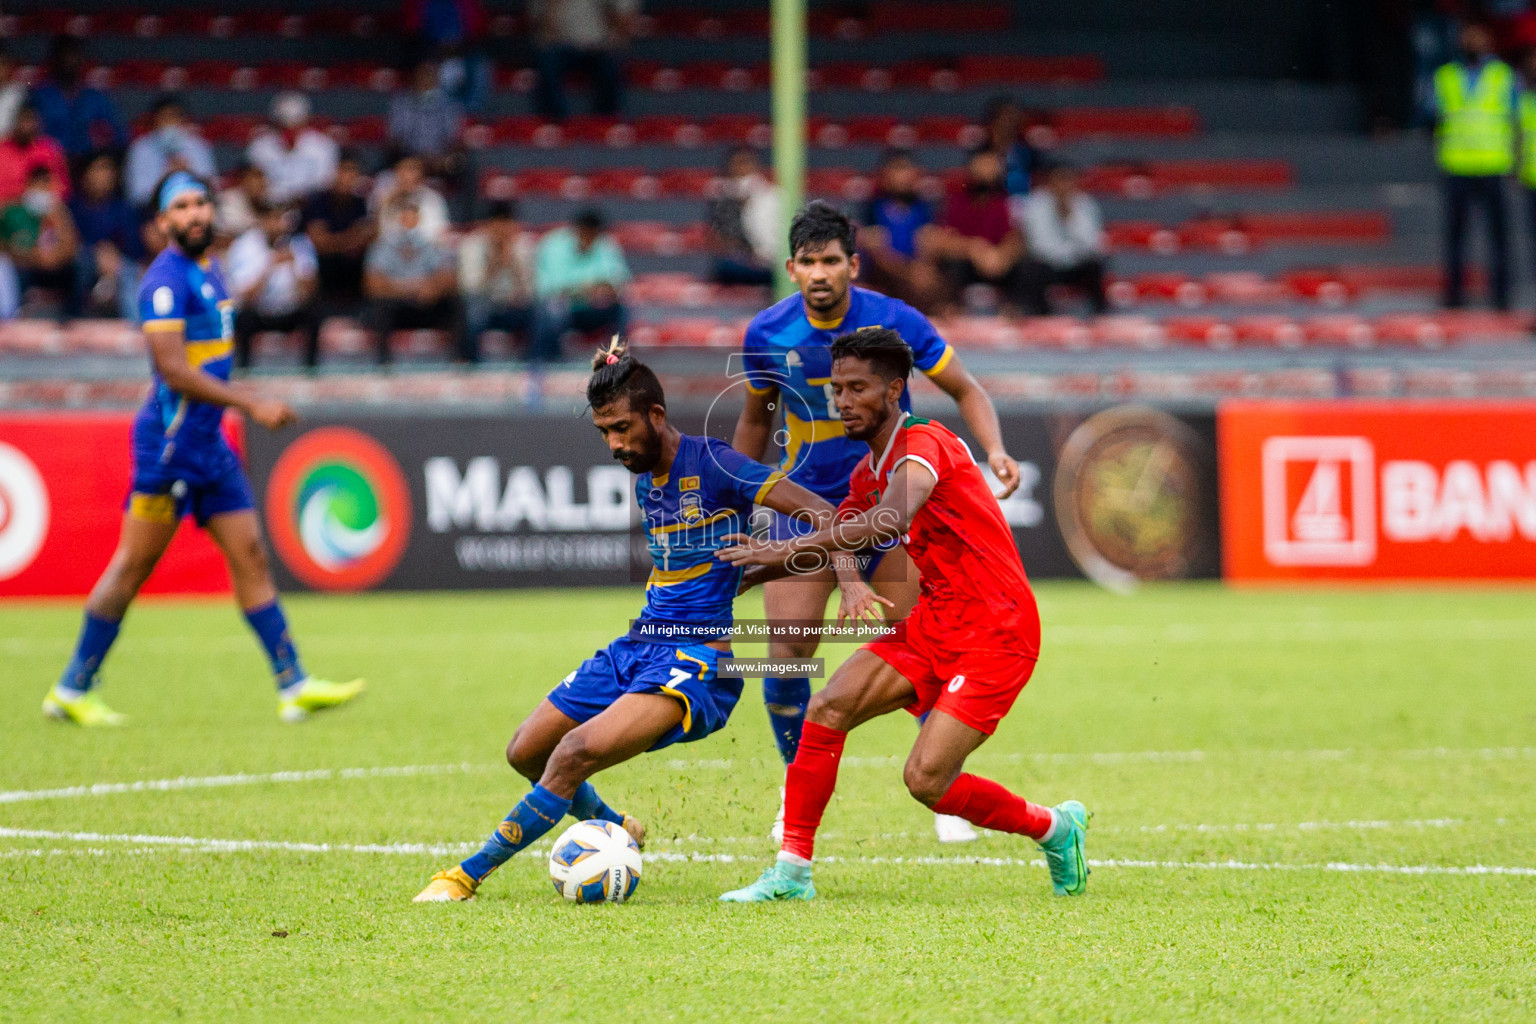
(179, 293)
(705, 496)
(787, 350)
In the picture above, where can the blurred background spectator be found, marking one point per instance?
(171, 144)
(584, 36)
(579, 272)
(1003, 120)
(452, 32)
(298, 159)
(235, 211)
(13, 91)
(81, 117)
(425, 122)
(410, 280)
(1064, 233)
(338, 225)
(407, 182)
(112, 254)
(273, 278)
(744, 222)
(496, 279)
(895, 238)
(976, 241)
(27, 149)
(39, 237)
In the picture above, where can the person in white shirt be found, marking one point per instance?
(13, 92)
(406, 184)
(744, 222)
(171, 144)
(496, 278)
(1064, 232)
(299, 160)
(273, 275)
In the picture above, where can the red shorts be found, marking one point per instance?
(969, 675)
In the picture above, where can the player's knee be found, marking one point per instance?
(830, 710)
(926, 781)
(524, 759)
(251, 560)
(573, 758)
(793, 648)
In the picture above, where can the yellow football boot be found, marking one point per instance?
(450, 886)
(316, 695)
(88, 709)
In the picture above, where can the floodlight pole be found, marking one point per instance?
(788, 119)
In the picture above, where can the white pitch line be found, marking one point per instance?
(238, 779)
(667, 856)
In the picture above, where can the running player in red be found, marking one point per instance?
(961, 657)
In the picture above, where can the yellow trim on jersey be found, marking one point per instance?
(167, 324)
(803, 432)
(825, 325)
(938, 367)
(688, 526)
(667, 577)
(773, 478)
(680, 695)
(201, 352)
(152, 508)
(770, 389)
(661, 481)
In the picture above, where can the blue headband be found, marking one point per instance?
(175, 185)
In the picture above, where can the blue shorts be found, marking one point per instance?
(203, 480)
(782, 527)
(634, 666)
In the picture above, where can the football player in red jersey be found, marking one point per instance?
(961, 657)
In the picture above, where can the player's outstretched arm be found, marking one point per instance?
(168, 349)
(910, 487)
(981, 417)
(791, 499)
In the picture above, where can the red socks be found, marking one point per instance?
(986, 803)
(808, 785)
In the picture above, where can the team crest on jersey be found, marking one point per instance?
(689, 507)
(207, 290)
(164, 300)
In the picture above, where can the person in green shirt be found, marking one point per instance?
(39, 236)
(578, 272)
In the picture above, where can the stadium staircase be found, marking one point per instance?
(1263, 245)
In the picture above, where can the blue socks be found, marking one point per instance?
(272, 628)
(586, 805)
(96, 637)
(786, 700)
(534, 815)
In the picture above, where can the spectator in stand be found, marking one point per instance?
(80, 117)
(273, 280)
(895, 236)
(112, 252)
(39, 237)
(744, 222)
(1064, 232)
(1003, 119)
(24, 151)
(341, 231)
(496, 278)
(976, 241)
(299, 160)
(13, 92)
(235, 212)
(580, 35)
(578, 273)
(171, 144)
(407, 181)
(426, 122)
(451, 30)
(1475, 102)
(409, 279)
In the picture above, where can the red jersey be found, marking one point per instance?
(972, 579)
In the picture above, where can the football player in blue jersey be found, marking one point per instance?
(182, 465)
(658, 684)
(788, 370)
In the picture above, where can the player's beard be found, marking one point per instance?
(642, 458)
(184, 239)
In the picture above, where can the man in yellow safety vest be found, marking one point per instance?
(1475, 100)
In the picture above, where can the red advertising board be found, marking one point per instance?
(1378, 490)
(63, 479)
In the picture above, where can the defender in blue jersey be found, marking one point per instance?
(182, 465)
(788, 370)
(658, 684)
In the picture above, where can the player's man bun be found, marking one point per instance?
(617, 374)
(884, 350)
(819, 224)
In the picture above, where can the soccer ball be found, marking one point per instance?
(595, 862)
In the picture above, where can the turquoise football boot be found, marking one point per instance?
(781, 881)
(1066, 852)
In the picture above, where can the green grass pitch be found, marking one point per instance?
(1309, 806)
